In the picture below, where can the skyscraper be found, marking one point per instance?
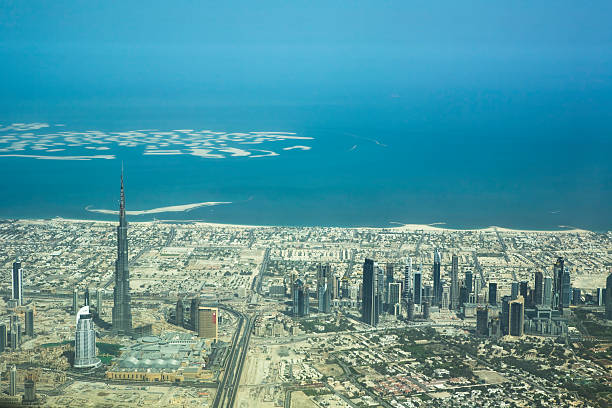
(410, 309)
(547, 296)
(85, 340)
(514, 290)
(517, 316)
(17, 282)
(13, 381)
(454, 288)
(29, 322)
(493, 293)
(86, 297)
(418, 288)
(407, 278)
(394, 297)
(469, 284)
(369, 300)
(557, 277)
(389, 272)
(335, 287)
(122, 311)
(388, 280)
(609, 297)
(300, 299)
(576, 296)
(3, 337)
(380, 290)
(179, 314)
(437, 284)
(99, 302)
(505, 315)
(477, 288)
(523, 289)
(15, 334)
(601, 301)
(208, 327)
(482, 321)
(29, 394)
(566, 289)
(538, 297)
(75, 301)
(426, 310)
(344, 287)
(463, 296)
(324, 288)
(193, 317)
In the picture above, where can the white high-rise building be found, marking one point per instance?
(13, 381)
(85, 340)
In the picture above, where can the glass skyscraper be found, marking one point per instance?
(369, 313)
(300, 299)
(437, 284)
(17, 282)
(324, 286)
(418, 288)
(454, 288)
(122, 312)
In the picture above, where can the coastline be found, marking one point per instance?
(398, 228)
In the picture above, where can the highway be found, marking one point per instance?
(237, 374)
(256, 285)
(228, 386)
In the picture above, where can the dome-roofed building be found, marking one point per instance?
(171, 357)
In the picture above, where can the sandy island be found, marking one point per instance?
(172, 208)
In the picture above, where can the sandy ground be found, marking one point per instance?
(301, 400)
(401, 228)
(93, 394)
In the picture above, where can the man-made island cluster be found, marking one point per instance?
(52, 142)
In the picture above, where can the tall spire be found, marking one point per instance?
(122, 313)
(122, 202)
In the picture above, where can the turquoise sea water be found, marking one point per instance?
(514, 138)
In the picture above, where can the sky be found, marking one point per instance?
(66, 50)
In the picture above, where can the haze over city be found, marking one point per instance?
(306, 204)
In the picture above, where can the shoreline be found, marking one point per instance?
(399, 228)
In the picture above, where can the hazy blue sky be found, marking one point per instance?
(66, 49)
(436, 23)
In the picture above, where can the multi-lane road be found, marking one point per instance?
(228, 385)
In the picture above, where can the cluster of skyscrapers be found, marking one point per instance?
(204, 320)
(12, 332)
(300, 295)
(380, 292)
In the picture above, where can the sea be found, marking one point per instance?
(517, 139)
